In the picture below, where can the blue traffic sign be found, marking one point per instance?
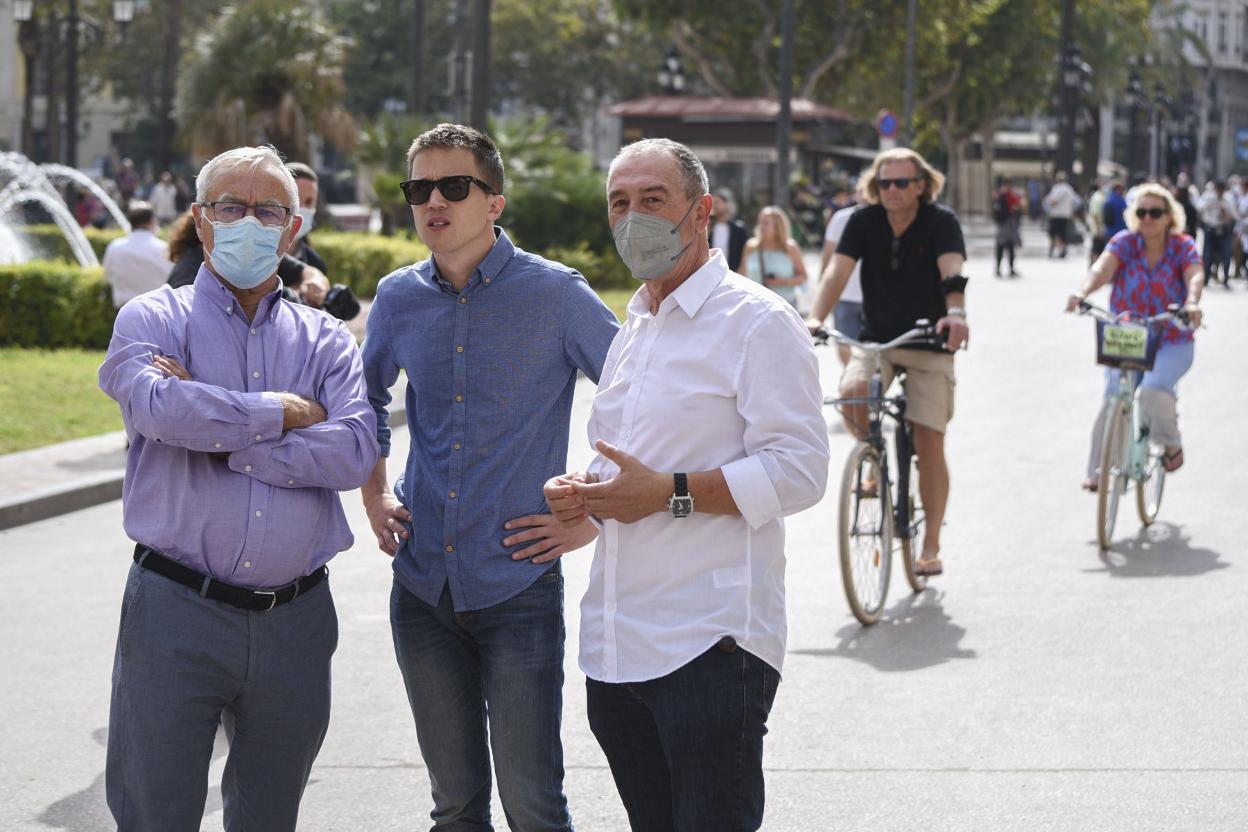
(886, 124)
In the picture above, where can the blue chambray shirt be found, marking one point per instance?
(491, 372)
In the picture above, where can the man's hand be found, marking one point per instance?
(552, 539)
(565, 504)
(959, 332)
(391, 522)
(636, 492)
(298, 412)
(170, 368)
(314, 286)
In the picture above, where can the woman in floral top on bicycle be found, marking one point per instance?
(1151, 265)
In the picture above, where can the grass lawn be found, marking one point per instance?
(617, 299)
(49, 396)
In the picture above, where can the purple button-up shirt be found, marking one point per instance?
(212, 481)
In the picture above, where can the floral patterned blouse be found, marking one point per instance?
(1146, 292)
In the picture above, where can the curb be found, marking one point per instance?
(91, 490)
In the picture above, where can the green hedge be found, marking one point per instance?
(47, 242)
(48, 303)
(360, 260)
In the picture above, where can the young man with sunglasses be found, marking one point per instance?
(911, 253)
(491, 338)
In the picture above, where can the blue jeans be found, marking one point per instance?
(686, 749)
(506, 662)
(185, 664)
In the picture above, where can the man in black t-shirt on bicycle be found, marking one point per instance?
(911, 251)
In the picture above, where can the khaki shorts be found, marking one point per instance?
(929, 382)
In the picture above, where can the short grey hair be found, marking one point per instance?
(253, 158)
(692, 174)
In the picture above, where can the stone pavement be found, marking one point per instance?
(1038, 685)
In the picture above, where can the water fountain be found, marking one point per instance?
(30, 183)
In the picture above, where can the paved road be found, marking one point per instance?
(1037, 686)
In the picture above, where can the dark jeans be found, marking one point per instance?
(505, 661)
(1217, 252)
(686, 749)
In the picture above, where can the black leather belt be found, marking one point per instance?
(242, 597)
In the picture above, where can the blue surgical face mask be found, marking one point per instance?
(245, 252)
(649, 245)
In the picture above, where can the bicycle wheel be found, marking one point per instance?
(1148, 490)
(866, 531)
(911, 538)
(1113, 483)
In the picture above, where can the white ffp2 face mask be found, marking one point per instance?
(649, 245)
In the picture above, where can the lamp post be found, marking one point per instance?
(672, 73)
(1157, 143)
(1135, 92)
(28, 38)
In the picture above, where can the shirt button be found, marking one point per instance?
(487, 281)
(246, 467)
(255, 374)
(290, 482)
(259, 513)
(458, 397)
(246, 564)
(217, 445)
(463, 300)
(454, 494)
(253, 330)
(450, 548)
(457, 446)
(459, 349)
(257, 437)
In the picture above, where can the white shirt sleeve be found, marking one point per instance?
(786, 437)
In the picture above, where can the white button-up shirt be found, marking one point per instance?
(136, 264)
(723, 377)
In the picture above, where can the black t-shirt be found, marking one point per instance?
(900, 278)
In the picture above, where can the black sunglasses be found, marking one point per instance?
(902, 182)
(454, 188)
(1155, 213)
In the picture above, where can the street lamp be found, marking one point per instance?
(22, 10)
(123, 11)
(1135, 97)
(1074, 74)
(672, 72)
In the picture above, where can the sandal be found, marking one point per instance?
(928, 567)
(1172, 460)
(1090, 484)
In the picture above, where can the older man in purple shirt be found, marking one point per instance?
(246, 415)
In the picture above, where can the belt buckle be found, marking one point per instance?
(272, 598)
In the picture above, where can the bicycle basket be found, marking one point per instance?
(1126, 346)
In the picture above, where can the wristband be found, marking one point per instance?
(953, 284)
(956, 311)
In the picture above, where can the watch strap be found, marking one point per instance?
(681, 485)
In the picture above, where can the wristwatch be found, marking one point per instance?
(680, 504)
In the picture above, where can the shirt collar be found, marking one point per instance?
(488, 270)
(207, 284)
(691, 294)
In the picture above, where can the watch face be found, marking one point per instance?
(680, 506)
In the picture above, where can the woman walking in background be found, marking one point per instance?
(772, 258)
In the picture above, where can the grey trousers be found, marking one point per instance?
(183, 665)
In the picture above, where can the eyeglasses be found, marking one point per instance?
(901, 182)
(227, 211)
(1155, 213)
(454, 188)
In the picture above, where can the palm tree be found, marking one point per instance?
(268, 72)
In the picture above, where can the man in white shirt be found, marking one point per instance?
(847, 314)
(709, 427)
(138, 262)
(1061, 202)
(164, 199)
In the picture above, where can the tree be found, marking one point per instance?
(284, 85)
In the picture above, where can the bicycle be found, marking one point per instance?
(1130, 346)
(869, 521)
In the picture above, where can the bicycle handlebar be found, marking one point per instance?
(1173, 312)
(924, 332)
